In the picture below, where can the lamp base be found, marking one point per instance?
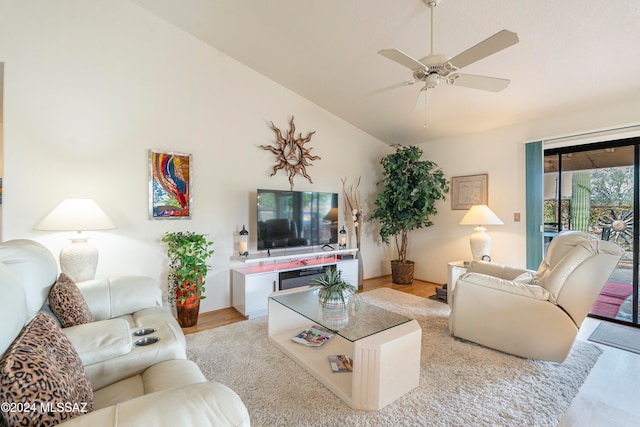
(79, 260)
(480, 243)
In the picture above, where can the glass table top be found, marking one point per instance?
(357, 321)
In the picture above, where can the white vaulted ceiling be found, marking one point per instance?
(572, 54)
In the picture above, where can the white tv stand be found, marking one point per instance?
(253, 283)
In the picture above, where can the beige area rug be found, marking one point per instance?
(461, 383)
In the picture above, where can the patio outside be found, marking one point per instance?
(598, 201)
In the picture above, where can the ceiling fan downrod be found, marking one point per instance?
(432, 5)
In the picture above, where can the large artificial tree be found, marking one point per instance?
(410, 188)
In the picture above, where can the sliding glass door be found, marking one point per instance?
(594, 188)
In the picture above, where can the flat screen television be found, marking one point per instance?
(288, 219)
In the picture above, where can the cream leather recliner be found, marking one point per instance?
(533, 314)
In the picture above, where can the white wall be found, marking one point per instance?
(1, 162)
(91, 86)
(499, 153)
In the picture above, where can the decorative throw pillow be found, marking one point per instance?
(68, 304)
(42, 377)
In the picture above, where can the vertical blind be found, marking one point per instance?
(534, 207)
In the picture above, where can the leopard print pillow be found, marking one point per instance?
(68, 304)
(42, 380)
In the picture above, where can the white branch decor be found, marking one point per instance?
(352, 197)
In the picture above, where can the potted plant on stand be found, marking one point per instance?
(410, 189)
(188, 254)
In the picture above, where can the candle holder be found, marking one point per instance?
(342, 239)
(244, 242)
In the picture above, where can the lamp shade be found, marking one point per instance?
(76, 215)
(480, 215)
(332, 215)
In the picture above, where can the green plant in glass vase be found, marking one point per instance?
(188, 254)
(333, 290)
(410, 189)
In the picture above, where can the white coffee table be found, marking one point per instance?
(385, 347)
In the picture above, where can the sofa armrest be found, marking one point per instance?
(202, 404)
(510, 286)
(497, 270)
(99, 341)
(117, 296)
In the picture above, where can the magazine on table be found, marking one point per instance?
(315, 336)
(340, 363)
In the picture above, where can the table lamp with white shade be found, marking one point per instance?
(79, 260)
(480, 241)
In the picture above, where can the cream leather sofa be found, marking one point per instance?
(98, 361)
(533, 314)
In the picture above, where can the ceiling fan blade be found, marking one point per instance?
(402, 59)
(492, 84)
(500, 40)
(424, 98)
(392, 87)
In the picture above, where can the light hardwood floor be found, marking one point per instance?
(610, 396)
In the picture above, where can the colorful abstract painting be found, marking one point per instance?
(170, 185)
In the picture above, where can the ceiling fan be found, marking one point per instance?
(436, 67)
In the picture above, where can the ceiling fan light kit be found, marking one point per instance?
(435, 67)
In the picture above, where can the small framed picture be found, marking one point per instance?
(469, 190)
(169, 185)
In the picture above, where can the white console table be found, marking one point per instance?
(253, 282)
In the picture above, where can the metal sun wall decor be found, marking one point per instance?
(169, 185)
(292, 156)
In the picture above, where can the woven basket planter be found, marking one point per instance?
(402, 272)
